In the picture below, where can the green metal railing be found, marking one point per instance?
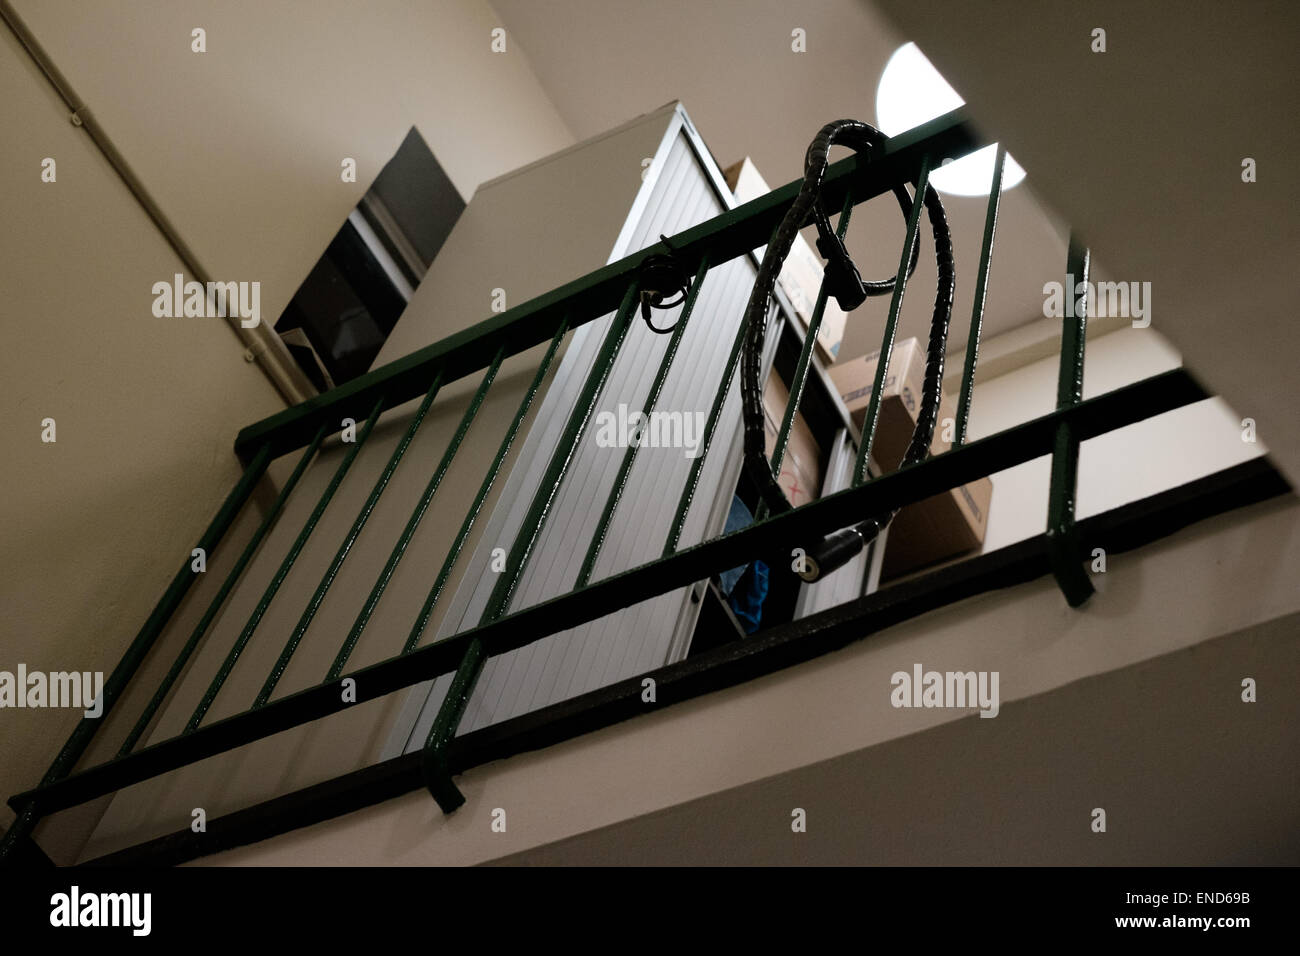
(614, 288)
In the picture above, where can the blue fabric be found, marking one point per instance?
(738, 517)
(747, 602)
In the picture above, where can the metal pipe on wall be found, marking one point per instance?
(261, 343)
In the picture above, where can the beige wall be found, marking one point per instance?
(528, 233)
(1152, 602)
(1150, 173)
(819, 711)
(242, 145)
(241, 148)
(1226, 575)
(976, 792)
(145, 409)
(1114, 469)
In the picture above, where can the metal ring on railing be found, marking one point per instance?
(659, 276)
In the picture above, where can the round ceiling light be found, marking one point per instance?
(913, 92)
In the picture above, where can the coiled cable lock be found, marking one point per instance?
(845, 284)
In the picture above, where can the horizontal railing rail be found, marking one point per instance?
(723, 238)
(503, 627)
(960, 466)
(1117, 531)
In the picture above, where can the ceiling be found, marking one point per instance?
(1142, 147)
(731, 64)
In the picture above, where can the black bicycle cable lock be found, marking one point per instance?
(846, 285)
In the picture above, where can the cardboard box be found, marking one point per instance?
(801, 275)
(941, 527)
(938, 528)
(900, 397)
(801, 472)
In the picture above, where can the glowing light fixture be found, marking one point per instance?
(913, 92)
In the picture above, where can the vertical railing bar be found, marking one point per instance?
(629, 455)
(891, 325)
(981, 294)
(282, 571)
(1064, 552)
(200, 629)
(345, 547)
(711, 425)
(452, 709)
(162, 613)
(426, 612)
(805, 354)
(687, 496)
(1069, 381)
(539, 510)
(413, 522)
(436, 772)
(139, 648)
